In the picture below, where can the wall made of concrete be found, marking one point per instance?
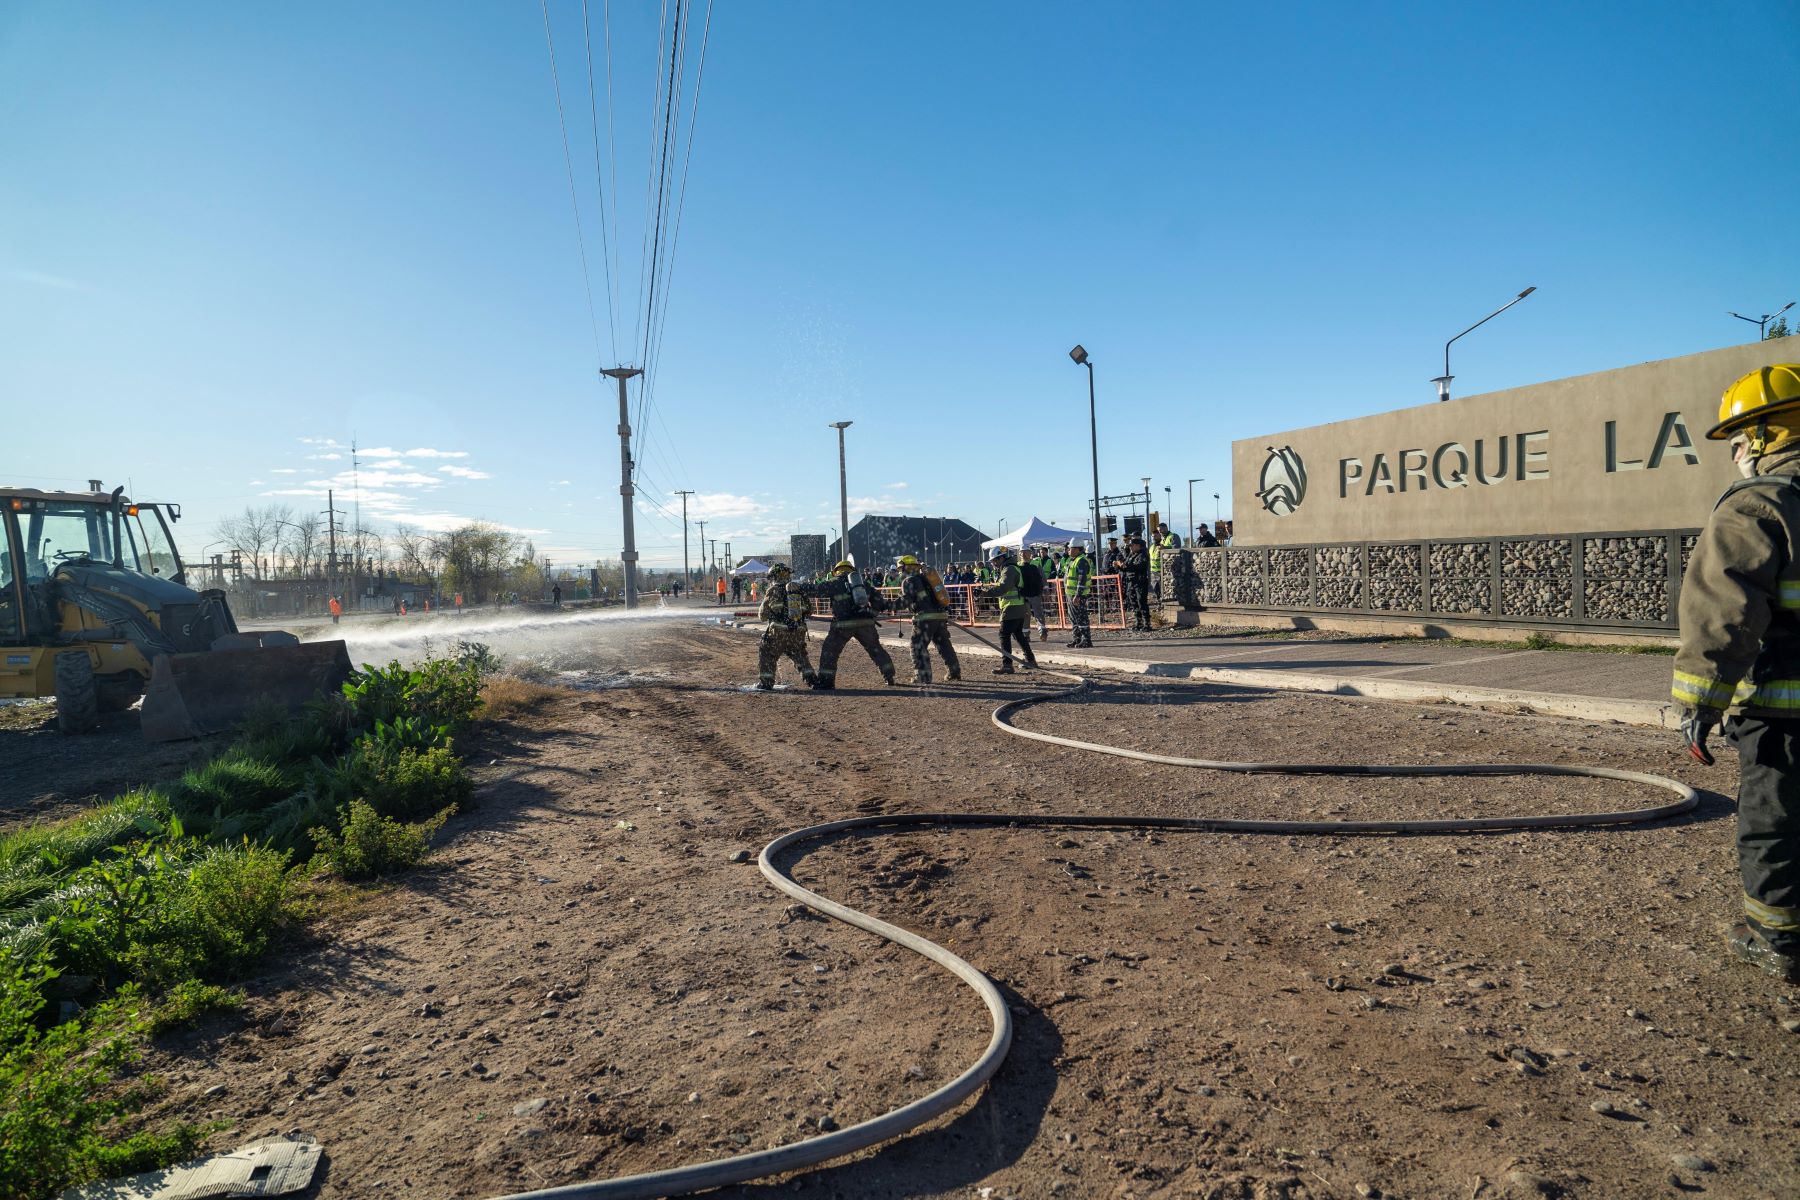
(1620, 450)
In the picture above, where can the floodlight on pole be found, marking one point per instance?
(1081, 358)
(1443, 381)
(1762, 322)
(843, 490)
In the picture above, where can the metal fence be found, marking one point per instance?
(1628, 580)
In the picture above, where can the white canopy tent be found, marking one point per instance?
(754, 566)
(1038, 533)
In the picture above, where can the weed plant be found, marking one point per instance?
(370, 844)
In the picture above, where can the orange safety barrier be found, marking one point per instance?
(1106, 604)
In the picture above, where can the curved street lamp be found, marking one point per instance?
(1443, 381)
(1762, 322)
(1082, 360)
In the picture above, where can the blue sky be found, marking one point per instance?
(235, 237)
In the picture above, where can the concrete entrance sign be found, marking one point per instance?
(1619, 450)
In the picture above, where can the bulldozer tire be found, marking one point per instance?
(77, 695)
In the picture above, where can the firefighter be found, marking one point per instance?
(1078, 580)
(1013, 613)
(931, 619)
(784, 631)
(853, 605)
(1740, 649)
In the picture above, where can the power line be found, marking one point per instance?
(569, 163)
(587, 41)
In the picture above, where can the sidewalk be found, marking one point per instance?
(1632, 689)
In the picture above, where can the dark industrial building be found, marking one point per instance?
(878, 541)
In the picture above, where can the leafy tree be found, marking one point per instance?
(1778, 328)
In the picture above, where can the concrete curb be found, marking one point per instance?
(1646, 713)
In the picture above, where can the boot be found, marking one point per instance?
(892, 681)
(763, 685)
(919, 678)
(955, 675)
(810, 679)
(1004, 668)
(1749, 945)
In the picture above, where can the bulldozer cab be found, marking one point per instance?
(40, 531)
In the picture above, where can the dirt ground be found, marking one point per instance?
(585, 984)
(45, 776)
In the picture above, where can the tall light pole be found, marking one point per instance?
(1215, 514)
(730, 562)
(843, 490)
(1762, 322)
(715, 554)
(1147, 530)
(1443, 381)
(1191, 483)
(629, 555)
(1082, 360)
(702, 525)
(686, 578)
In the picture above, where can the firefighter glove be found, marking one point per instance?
(1696, 725)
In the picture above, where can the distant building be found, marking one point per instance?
(878, 541)
(807, 551)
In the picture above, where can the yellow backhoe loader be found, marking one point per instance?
(95, 609)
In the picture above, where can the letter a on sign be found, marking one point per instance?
(1673, 438)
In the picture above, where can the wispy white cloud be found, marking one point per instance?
(285, 471)
(894, 487)
(464, 472)
(256, 483)
(426, 452)
(708, 505)
(332, 457)
(45, 279)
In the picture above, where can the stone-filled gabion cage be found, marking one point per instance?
(1626, 581)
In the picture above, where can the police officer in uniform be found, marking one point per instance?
(1740, 649)
(783, 612)
(1137, 583)
(853, 605)
(931, 621)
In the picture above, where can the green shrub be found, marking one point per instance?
(232, 783)
(188, 1001)
(406, 783)
(76, 842)
(370, 844)
(59, 1089)
(230, 905)
(440, 691)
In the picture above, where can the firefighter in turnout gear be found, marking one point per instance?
(853, 605)
(1014, 613)
(930, 603)
(1740, 649)
(783, 612)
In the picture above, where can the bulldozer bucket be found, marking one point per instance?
(209, 691)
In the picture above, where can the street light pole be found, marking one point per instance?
(1082, 360)
(1147, 529)
(1443, 381)
(629, 555)
(843, 490)
(686, 578)
(1191, 483)
(1215, 514)
(1762, 322)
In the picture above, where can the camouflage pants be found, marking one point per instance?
(1078, 619)
(925, 635)
(834, 646)
(777, 643)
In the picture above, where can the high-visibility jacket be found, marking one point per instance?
(1007, 589)
(1740, 599)
(1078, 575)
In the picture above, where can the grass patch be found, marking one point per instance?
(27, 716)
(506, 698)
(187, 1002)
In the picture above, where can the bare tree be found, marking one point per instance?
(254, 531)
(301, 543)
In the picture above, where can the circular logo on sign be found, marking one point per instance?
(1283, 483)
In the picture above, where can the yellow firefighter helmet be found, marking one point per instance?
(1752, 404)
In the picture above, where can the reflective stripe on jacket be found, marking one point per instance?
(1740, 599)
(1007, 590)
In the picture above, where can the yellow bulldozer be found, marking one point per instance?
(96, 610)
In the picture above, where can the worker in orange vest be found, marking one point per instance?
(337, 610)
(721, 589)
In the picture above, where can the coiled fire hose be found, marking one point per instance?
(681, 1181)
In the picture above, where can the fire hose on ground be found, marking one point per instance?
(680, 1181)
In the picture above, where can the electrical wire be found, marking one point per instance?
(681, 1181)
(569, 164)
(612, 302)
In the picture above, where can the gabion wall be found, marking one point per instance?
(1627, 580)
